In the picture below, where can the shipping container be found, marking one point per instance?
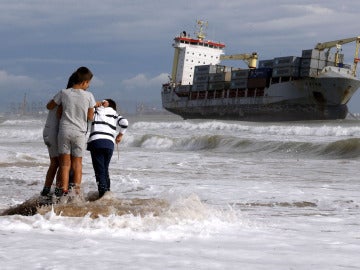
(207, 69)
(266, 63)
(285, 72)
(286, 61)
(220, 77)
(323, 55)
(312, 63)
(256, 83)
(239, 74)
(201, 78)
(218, 85)
(313, 53)
(238, 84)
(201, 69)
(260, 73)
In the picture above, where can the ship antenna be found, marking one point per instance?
(200, 29)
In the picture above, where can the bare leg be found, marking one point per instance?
(76, 165)
(65, 163)
(51, 172)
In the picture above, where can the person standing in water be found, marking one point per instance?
(77, 108)
(107, 129)
(50, 134)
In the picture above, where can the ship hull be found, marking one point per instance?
(321, 98)
(262, 113)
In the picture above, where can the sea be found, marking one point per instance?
(194, 194)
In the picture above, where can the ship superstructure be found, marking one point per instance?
(190, 52)
(315, 85)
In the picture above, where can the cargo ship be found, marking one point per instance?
(317, 85)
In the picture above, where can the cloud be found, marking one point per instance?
(16, 81)
(97, 82)
(142, 89)
(309, 9)
(46, 40)
(141, 81)
(14, 87)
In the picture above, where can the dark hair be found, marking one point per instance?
(112, 103)
(71, 80)
(82, 74)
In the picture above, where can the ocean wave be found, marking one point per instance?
(21, 135)
(349, 148)
(343, 148)
(287, 129)
(22, 122)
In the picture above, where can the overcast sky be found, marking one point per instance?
(127, 43)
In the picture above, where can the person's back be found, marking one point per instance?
(75, 104)
(107, 129)
(106, 121)
(77, 108)
(50, 136)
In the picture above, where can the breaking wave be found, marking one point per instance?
(343, 148)
(285, 129)
(145, 218)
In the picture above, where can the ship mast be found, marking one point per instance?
(200, 30)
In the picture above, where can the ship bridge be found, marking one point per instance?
(190, 52)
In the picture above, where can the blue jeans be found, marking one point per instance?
(101, 159)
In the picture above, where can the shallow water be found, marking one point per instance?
(238, 195)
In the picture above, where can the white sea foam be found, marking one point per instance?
(186, 217)
(241, 196)
(323, 130)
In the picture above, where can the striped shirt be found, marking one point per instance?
(107, 124)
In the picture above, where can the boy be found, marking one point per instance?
(77, 107)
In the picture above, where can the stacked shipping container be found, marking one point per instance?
(309, 64)
(287, 66)
(313, 61)
(211, 77)
(210, 81)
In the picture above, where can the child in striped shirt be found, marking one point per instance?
(107, 129)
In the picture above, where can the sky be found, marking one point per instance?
(127, 44)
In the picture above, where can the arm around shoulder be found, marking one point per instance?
(51, 105)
